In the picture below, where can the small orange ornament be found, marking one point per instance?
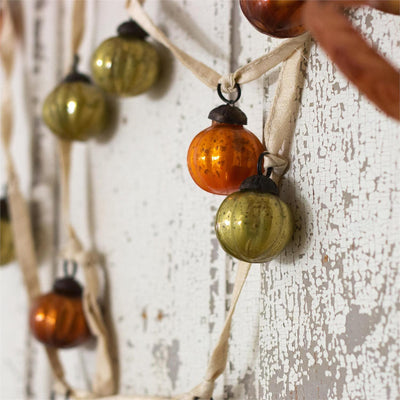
(57, 318)
(223, 155)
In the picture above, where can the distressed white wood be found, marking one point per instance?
(318, 323)
(172, 311)
(329, 324)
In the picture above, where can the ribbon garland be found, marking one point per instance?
(104, 381)
(277, 137)
(20, 216)
(279, 127)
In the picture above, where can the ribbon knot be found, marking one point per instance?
(228, 83)
(278, 163)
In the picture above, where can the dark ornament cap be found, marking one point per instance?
(75, 76)
(260, 184)
(228, 114)
(131, 30)
(67, 287)
(4, 211)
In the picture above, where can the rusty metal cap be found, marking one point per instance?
(67, 286)
(228, 114)
(260, 184)
(131, 30)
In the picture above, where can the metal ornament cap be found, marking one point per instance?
(259, 184)
(228, 114)
(75, 76)
(131, 30)
(68, 287)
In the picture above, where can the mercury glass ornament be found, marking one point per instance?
(126, 65)
(221, 156)
(57, 318)
(253, 224)
(76, 109)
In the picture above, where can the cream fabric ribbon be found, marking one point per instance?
(279, 127)
(20, 217)
(104, 381)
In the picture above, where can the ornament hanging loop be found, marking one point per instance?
(75, 63)
(260, 164)
(66, 265)
(224, 99)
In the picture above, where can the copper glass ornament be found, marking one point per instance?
(57, 318)
(279, 18)
(223, 155)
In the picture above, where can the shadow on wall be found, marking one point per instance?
(301, 211)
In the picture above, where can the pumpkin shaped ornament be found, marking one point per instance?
(57, 318)
(253, 224)
(278, 18)
(126, 65)
(223, 155)
(76, 109)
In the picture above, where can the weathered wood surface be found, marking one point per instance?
(321, 322)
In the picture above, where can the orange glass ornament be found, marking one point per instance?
(57, 318)
(223, 155)
(279, 18)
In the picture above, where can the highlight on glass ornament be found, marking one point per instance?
(253, 224)
(7, 251)
(57, 318)
(221, 156)
(278, 18)
(76, 109)
(126, 65)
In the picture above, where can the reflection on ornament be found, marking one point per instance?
(279, 18)
(126, 65)
(57, 318)
(254, 225)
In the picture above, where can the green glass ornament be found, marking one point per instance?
(76, 109)
(254, 225)
(7, 252)
(126, 65)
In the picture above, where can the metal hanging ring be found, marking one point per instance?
(67, 273)
(223, 98)
(260, 165)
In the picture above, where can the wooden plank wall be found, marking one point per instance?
(320, 322)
